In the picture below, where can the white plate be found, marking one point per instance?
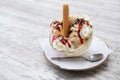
(97, 46)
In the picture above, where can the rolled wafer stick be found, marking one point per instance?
(65, 29)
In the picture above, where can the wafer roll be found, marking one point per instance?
(65, 29)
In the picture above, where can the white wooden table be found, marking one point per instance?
(24, 23)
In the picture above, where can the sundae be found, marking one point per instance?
(72, 35)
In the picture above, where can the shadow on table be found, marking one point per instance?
(66, 74)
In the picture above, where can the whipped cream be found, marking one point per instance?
(57, 44)
(86, 31)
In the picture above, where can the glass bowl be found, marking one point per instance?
(74, 52)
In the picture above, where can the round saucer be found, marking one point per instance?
(76, 64)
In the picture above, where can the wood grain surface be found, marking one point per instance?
(24, 23)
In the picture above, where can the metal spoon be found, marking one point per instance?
(91, 58)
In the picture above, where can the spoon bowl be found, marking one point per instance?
(94, 57)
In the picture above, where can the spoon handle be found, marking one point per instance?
(54, 58)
